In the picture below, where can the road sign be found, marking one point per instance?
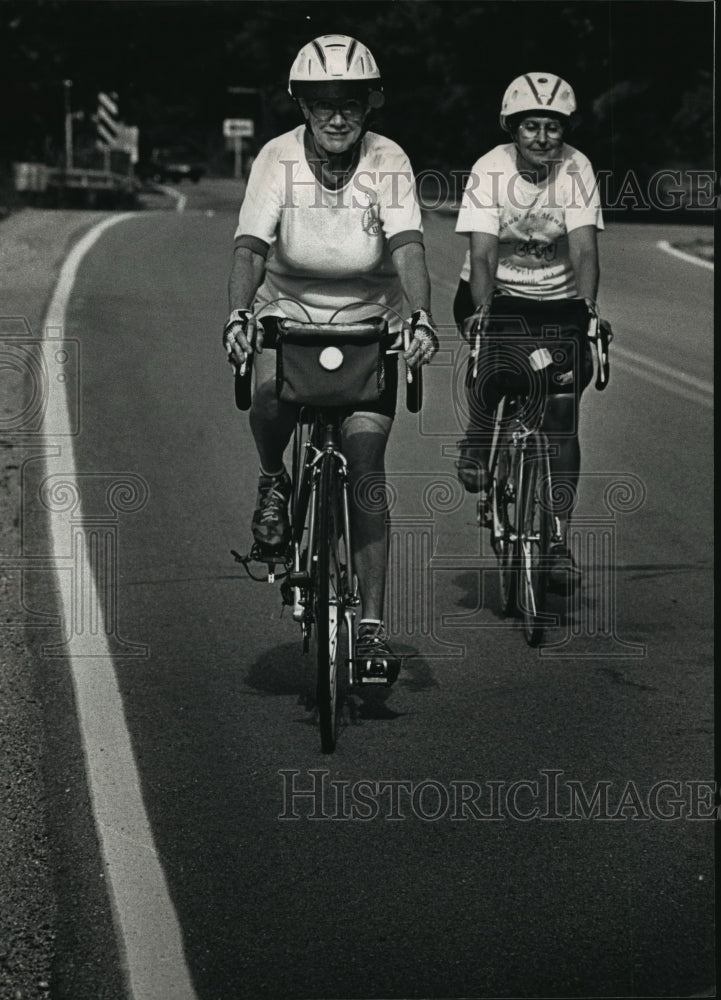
(107, 120)
(238, 128)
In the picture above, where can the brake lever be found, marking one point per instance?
(406, 348)
(604, 336)
(479, 325)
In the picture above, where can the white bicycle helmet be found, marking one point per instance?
(335, 63)
(537, 92)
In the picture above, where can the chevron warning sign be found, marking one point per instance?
(107, 120)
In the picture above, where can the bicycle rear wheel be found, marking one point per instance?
(329, 604)
(533, 543)
(504, 520)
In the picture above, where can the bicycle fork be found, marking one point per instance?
(490, 516)
(302, 575)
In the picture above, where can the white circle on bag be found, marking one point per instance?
(331, 358)
(540, 359)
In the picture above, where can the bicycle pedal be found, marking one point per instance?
(369, 672)
(269, 558)
(372, 677)
(264, 554)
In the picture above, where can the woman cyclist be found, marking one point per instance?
(532, 212)
(330, 220)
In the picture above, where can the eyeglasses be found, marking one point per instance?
(553, 129)
(325, 110)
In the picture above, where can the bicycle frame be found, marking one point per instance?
(519, 507)
(322, 439)
(521, 437)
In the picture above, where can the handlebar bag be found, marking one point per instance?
(330, 368)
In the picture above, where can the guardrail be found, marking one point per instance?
(99, 180)
(36, 177)
(80, 187)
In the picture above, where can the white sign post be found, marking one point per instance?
(127, 140)
(238, 129)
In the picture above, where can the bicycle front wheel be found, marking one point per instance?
(533, 544)
(329, 603)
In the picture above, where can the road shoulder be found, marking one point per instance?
(43, 789)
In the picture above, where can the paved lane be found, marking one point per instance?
(395, 902)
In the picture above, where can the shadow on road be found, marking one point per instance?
(286, 671)
(282, 670)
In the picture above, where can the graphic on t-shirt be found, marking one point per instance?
(371, 221)
(537, 249)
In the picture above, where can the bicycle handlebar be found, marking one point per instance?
(374, 329)
(599, 331)
(363, 332)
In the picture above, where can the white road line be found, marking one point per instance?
(181, 200)
(689, 257)
(148, 932)
(692, 395)
(640, 359)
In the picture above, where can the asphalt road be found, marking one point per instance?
(428, 894)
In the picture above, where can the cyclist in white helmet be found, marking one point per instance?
(330, 220)
(532, 212)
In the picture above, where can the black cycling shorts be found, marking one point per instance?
(532, 341)
(386, 404)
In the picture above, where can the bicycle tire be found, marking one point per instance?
(533, 543)
(505, 543)
(328, 606)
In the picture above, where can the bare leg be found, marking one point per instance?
(481, 400)
(561, 425)
(271, 421)
(364, 443)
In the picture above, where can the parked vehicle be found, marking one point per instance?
(174, 164)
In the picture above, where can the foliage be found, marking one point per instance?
(641, 70)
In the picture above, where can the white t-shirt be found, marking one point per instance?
(330, 248)
(531, 221)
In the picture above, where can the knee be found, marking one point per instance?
(365, 436)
